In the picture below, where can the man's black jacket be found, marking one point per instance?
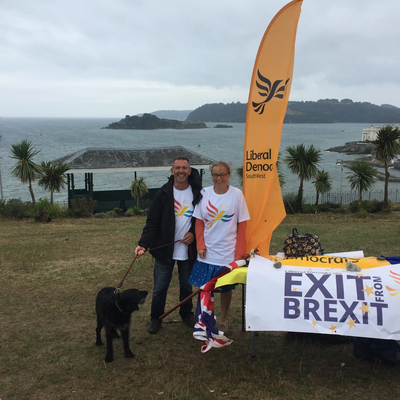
(160, 225)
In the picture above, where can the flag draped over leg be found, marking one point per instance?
(205, 328)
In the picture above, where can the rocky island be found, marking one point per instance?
(149, 121)
(354, 148)
(364, 148)
(223, 126)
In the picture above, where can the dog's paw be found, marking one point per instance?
(99, 343)
(108, 358)
(129, 354)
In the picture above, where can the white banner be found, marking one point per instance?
(323, 300)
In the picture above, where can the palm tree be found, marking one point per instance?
(138, 189)
(25, 169)
(363, 176)
(387, 147)
(280, 174)
(239, 172)
(322, 183)
(52, 177)
(303, 161)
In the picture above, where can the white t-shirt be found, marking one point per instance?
(221, 214)
(183, 206)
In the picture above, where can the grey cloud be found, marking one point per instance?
(61, 51)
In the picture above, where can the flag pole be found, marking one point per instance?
(182, 302)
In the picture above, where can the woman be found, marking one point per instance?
(220, 229)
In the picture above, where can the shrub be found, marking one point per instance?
(41, 210)
(377, 206)
(107, 214)
(354, 206)
(361, 213)
(291, 204)
(310, 208)
(369, 206)
(55, 211)
(331, 207)
(2, 207)
(134, 211)
(82, 208)
(44, 211)
(15, 209)
(100, 215)
(118, 211)
(395, 206)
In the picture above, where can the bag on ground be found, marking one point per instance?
(297, 245)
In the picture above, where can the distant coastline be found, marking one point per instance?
(305, 112)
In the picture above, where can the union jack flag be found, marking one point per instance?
(392, 260)
(205, 328)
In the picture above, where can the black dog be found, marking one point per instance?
(114, 312)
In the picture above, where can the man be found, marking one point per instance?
(169, 220)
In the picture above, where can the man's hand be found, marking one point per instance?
(202, 253)
(139, 251)
(188, 238)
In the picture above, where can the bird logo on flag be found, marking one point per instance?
(396, 278)
(268, 90)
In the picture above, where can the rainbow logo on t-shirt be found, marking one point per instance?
(182, 211)
(216, 215)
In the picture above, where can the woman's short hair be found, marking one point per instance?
(221, 164)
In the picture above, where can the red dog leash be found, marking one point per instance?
(127, 272)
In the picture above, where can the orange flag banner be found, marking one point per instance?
(268, 98)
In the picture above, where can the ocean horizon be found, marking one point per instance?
(57, 137)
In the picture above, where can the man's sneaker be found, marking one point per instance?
(155, 326)
(189, 321)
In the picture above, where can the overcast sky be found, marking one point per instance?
(109, 58)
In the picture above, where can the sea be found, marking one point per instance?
(57, 137)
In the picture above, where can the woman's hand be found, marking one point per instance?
(202, 253)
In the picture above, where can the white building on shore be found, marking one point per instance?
(370, 133)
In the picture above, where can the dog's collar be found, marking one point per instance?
(119, 308)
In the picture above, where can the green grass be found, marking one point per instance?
(51, 273)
